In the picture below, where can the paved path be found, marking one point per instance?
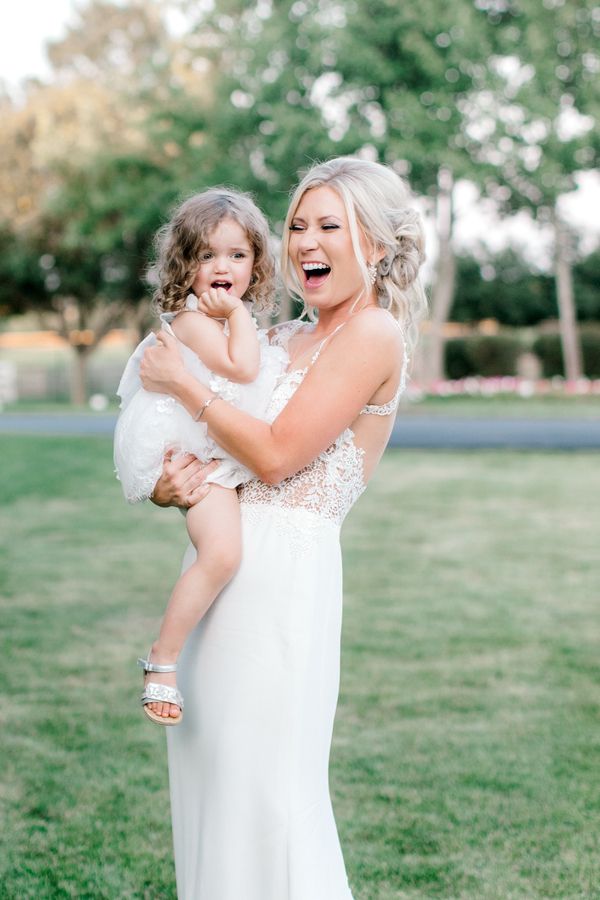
(58, 423)
(441, 432)
(526, 434)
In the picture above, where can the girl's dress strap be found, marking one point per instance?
(282, 333)
(165, 320)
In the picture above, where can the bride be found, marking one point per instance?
(248, 767)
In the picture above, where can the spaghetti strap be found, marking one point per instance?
(327, 337)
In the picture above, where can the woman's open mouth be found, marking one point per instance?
(226, 285)
(315, 274)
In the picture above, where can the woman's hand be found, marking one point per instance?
(162, 367)
(182, 481)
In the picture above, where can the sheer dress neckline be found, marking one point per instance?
(286, 331)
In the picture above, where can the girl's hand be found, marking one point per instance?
(182, 481)
(162, 367)
(218, 304)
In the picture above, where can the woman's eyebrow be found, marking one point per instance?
(320, 219)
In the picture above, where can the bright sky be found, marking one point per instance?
(29, 24)
(25, 29)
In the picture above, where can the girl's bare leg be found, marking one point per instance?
(215, 531)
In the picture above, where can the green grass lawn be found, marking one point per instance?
(466, 758)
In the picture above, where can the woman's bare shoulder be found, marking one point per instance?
(376, 326)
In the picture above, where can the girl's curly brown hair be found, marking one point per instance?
(181, 241)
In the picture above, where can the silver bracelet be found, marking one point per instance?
(205, 406)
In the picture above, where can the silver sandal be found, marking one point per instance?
(160, 693)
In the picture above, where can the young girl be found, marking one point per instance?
(213, 263)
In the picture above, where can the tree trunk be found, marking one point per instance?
(79, 375)
(442, 294)
(143, 319)
(569, 338)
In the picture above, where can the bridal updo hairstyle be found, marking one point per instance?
(378, 202)
(180, 243)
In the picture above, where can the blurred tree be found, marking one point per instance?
(536, 124)
(96, 235)
(264, 122)
(586, 276)
(85, 186)
(406, 70)
(502, 288)
(58, 128)
(302, 79)
(21, 278)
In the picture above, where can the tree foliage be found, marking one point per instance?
(536, 120)
(501, 92)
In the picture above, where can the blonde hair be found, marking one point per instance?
(378, 202)
(181, 241)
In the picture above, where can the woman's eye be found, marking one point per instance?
(295, 228)
(330, 226)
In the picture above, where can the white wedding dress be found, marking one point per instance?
(248, 766)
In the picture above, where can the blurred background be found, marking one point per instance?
(112, 111)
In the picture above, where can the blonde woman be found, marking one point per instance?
(252, 816)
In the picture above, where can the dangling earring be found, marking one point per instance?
(372, 271)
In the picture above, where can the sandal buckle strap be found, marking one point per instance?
(148, 666)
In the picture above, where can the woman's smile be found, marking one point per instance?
(315, 274)
(321, 248)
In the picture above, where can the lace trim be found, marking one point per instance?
(282, 333)
(327, 487)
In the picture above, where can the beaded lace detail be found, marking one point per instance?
(331, 483)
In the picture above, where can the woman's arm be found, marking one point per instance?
(236, 357)
(362, 357)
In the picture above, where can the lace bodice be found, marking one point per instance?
(331, 483)
(328, 486)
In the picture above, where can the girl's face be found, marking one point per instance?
(321, 250)
(227, 262)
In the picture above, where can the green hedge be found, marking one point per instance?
(549, 350)
(482, 355)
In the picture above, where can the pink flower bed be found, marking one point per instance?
(476, 386)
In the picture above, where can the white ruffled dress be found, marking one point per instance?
(149, 424)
